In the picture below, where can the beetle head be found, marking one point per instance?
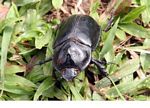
(71, 58)
(69, 73)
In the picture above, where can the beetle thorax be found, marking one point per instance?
(75, 53)
(72, 55)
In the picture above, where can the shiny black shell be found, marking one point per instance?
(79, 27)
(76, 38)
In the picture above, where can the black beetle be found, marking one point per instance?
(76, 38)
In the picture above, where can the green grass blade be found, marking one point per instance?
(140, 49)
(76, 94)
(146, 13)
(8, 30)
(120, 34)
(108, 43)
(18, 85)
(119, 93)
(135, 30)
(131, 16)
(145, 58)
(47, 83)
(5, 44)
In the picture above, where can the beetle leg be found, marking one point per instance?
(109, 23)
(100, 66)
(44, 61)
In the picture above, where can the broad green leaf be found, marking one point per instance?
(44, 7)
(125, 69)
(24, 2)
(146, 13)
(135, 30)
(12, 69)
(36, 74)
(57, 3)
(40, 41)
(18, 97)
(15, 89)
(18, 85)
(109, 41)
(20, 81)
(131, 16)
(47, 83)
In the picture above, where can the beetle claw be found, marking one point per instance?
(43, 62)
(100, 66)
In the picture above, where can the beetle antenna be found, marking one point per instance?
(44, 61)
(109, 24)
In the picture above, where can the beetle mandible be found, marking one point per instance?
(76, 38)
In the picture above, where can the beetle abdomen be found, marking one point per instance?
(81, 28)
